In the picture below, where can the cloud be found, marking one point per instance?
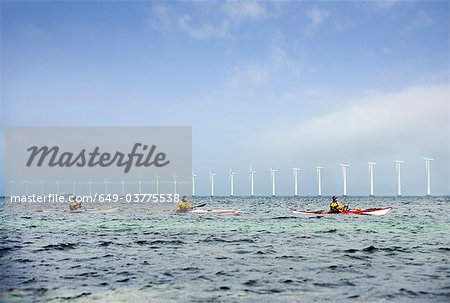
(257, 74)
(208, 19)
(416, 119)
(203, 31)
(386, 4)
(248, 10)
(161, 18)
(316, 18)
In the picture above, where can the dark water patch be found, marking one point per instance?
(224, 288)
(31, 280)
(351, 250)
(265, 252)
(123, 280)
(330, 231)
(83, 294)
(222, 258)
(88, 274)
(191, 269)
(222, 273)
(284, 217)
(105, 243)
(326, 285)
(370, 249)
(24, 260)
(251, 283)
(202, 277)
(223, 240)
(60, 246)
(290, 257)
(357, 257)
(408, 292)
(444, 248)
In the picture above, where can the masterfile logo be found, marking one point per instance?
(88, 156)
(95, 158)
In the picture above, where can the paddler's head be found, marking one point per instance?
(334, 198)
(184, 199)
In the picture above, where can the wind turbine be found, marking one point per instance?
(11, 188)
(123, 187)
(319, 180)
(371, 165)
(193, 183)
(140, 183)
(344, 177)
(106, 187)
(42, 187)
(74, 187)
(252, 181)
(90, 187)
(211, 179)
(157, 184)
(26, 188)
(57, 186)
(398, 168)
(272, 175)
(295, 173)
(232, 173)
(428, 171)
(175, 184)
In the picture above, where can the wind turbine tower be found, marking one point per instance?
(344, 177)
(157, 184)
(272, 175)
(295, 171)
(428, 171)
(398, 168)
(193, 183)
(252, 181)
(232, 173)
(371, 165)
(319, 180)
(211, 178)
(175, 184)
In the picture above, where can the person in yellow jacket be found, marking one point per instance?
(183, 206)
(74, 205)
(335, 206)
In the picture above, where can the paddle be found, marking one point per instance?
(200, 205)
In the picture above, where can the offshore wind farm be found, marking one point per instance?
(152, 186)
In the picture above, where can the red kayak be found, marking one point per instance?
(355, 211)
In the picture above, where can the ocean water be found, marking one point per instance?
(263, 254)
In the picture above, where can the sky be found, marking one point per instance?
(262, 83)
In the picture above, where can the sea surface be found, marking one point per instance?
(144, 253)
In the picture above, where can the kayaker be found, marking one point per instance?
(183, 206)
(335, 206)
(74, 205)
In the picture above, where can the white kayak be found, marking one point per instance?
(216, 211)
(95, 211)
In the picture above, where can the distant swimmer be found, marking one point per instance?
(335, 206)
(74, 205)
(183, 206)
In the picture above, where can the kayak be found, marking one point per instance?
(217, 211)
(355, 211)
(95, 211)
